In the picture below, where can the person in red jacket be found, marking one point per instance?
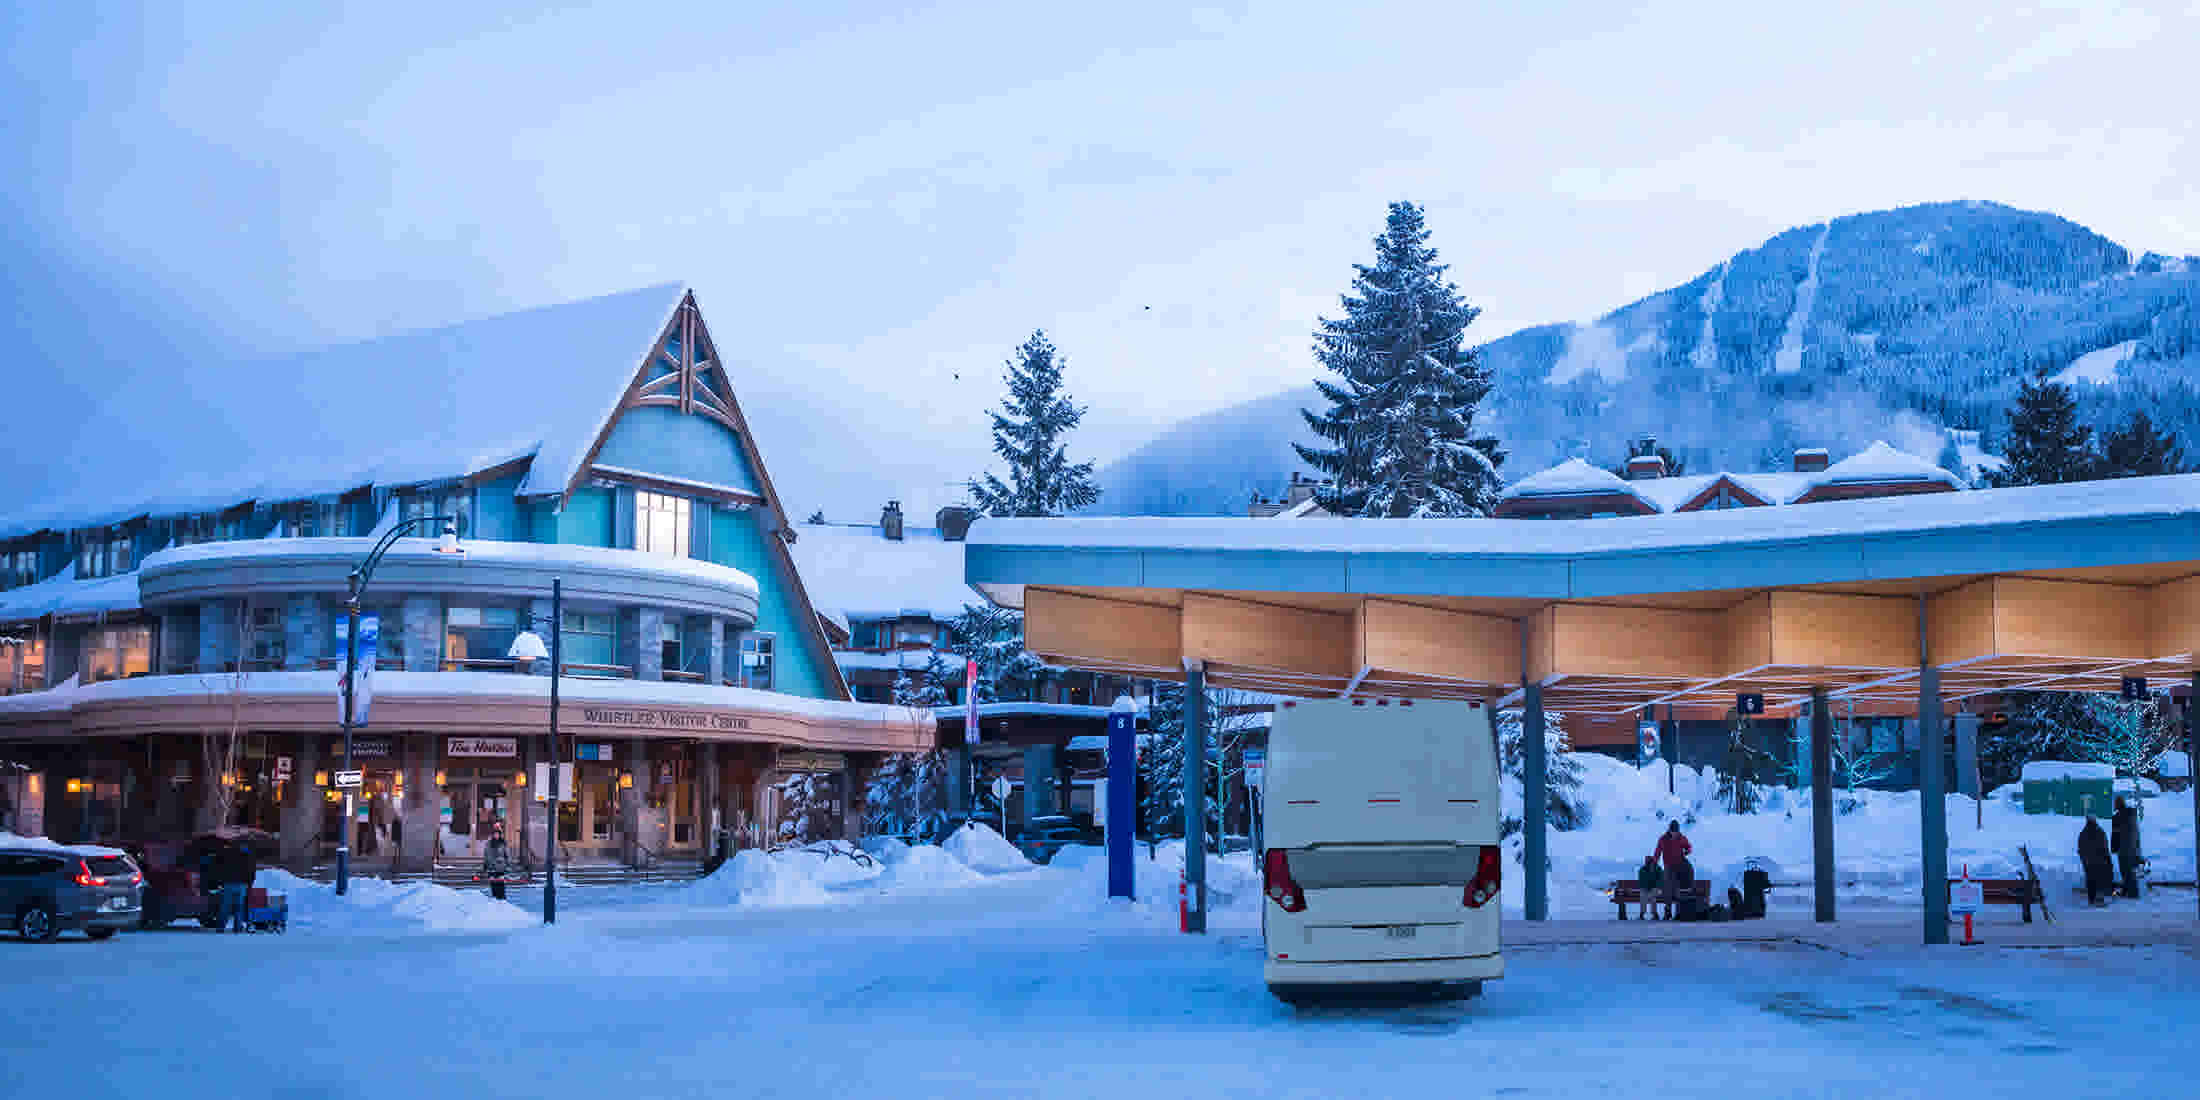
(1672, 851)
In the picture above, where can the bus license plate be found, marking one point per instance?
(1401, 931)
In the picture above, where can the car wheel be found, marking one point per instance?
(100, 933)
(35, 923)
(1297, 996)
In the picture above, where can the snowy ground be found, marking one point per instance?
(805, 975)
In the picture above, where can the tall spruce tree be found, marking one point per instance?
(1028, 434)
(1400, 426)
(2047, 445)
(2138, 450)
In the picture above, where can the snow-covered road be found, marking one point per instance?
(1026, 984)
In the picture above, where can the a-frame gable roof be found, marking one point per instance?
(1703, 496)
(684, 370)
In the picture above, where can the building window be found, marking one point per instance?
(668, 648)
(920, 634)
(117, 652)
(264, 637)
(661, 523)
(756, 661)
(456, 502)
(479, 637)
(590, 639)
(18, 568)
(873, 635)
(104, 554)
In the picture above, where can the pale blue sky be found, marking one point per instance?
(871, 202)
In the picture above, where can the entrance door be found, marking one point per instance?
(601, 834)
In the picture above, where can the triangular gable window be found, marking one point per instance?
(684, 375)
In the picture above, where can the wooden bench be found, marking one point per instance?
(2008, 891)
(1626, 892)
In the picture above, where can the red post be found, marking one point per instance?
(1183, 905)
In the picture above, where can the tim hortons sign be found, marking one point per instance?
(650, 719)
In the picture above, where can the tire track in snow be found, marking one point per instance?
(1790, 357)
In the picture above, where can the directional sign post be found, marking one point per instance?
(351, 779)
(1000, 795)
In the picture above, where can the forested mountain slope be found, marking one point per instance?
(1888, 325)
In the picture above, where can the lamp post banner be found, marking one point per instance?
(362, 686)
(970, 702)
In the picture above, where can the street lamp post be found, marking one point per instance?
(446, 544)
(527, 649)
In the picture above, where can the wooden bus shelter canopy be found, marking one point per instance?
(2066, 588)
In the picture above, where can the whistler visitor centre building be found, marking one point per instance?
(173, 630)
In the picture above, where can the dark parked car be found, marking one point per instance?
(176, 887)
(44, 890)
(1045, 836)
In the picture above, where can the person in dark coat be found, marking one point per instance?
(1680, 890)
(2093, 857)
(496, 862)
(237, 868)
(2123, 839)
(1647, 880)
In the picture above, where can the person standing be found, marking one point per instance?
(1648, 879)
(238, 871)
(496, 861)
(2093, 857)
(1672, 851)
(2123, 839)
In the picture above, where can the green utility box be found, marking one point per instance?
(2074, 790)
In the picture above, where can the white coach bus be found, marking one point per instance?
(1382, 865)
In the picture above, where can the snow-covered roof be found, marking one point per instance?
(64, 594)
(857, 572)
(1573, 478)
(2040, 771)
(417, 406)
(2139, 497)
(1879, 464)
(914, 660)
(1303, 509)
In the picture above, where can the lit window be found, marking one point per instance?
(661, 524)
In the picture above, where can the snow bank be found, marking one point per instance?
(927, 867)
(886, 849)
(757, 878)
(2173, 764)
(17, 840)
(982, 849)
(2041, 771)
(380, 907)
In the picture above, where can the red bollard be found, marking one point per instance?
(1183, 905)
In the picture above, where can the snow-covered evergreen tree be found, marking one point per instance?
(995, 636)
(2127, 736)
(928, 688)
(806, 807)
(1399, 431)
(1160, 765)
(1029, 434)
(907, 795)
(1565, 808)
(2138, 450)
(2046, 445)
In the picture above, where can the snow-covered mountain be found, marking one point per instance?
(1888, 325)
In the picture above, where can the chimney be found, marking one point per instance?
(1645, 467)
(954, 521)
(889, 520)
(1810, 460)
(1302, 490)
